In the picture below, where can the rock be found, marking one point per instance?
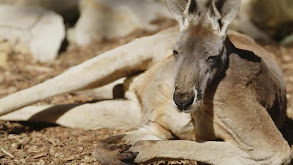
(112, 18)
(67, 8)
(41, 30)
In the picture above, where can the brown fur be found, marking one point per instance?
(237, 91)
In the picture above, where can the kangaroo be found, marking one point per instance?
(214, 98)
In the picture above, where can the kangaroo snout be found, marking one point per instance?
(183, 100)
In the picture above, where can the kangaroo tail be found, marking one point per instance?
(116, 114)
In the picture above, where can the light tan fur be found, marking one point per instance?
(236, 123)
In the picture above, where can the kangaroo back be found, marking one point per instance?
(246, 43)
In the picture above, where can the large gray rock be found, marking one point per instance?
(113, 18)
(67, 8)
(41, 30)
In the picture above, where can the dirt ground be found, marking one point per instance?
(43, 143)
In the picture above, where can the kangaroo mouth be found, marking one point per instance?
(187, 110)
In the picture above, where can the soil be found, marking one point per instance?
(43, 143)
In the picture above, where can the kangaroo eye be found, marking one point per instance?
(175, 52)
(213, 58)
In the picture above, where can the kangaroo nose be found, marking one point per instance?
(183, 100)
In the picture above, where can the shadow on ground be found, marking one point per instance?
(23, 127)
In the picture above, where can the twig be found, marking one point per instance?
(7, 153)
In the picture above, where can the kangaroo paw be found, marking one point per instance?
(109, 151)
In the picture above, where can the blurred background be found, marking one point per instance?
(39, 39)
(48, 27)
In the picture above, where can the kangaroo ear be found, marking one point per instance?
(181, 9)
(223, 12)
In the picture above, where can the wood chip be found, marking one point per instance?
(7, 153)
(40, 155)
(1, 154)
(70, 158)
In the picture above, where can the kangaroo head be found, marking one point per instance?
(200, 51)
